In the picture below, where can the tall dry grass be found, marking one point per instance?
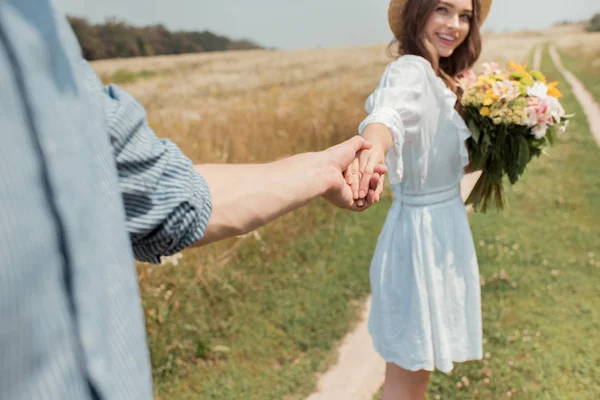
(256, 106)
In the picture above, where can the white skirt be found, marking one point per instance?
(426, 310)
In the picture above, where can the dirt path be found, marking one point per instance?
(359, 371)
(589, 105)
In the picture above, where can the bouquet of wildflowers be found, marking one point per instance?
(512, 114)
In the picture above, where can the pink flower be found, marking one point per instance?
(467, 79)
(491, 68)
(538, 115)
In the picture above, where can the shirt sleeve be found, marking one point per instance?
(400, 101)
(167, 202)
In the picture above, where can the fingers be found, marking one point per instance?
(379, 190)
(348, 174)
(364, 174)
(352, 178)
(374, 186)
(345, 152)
(367, 164)
(375, 190)
(380, 169)
(357, 143)
(371, 198)
(360, 201)
(355, 179)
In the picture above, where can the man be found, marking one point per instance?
(83, 181)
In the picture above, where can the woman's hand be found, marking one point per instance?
(367, 160)
(364, 169)
(341, 158)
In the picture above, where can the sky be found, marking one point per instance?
(296, 24)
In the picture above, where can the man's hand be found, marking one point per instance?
(363, 170)
(340, 193)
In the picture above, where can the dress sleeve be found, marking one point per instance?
(405, 101)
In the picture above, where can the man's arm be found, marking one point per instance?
(169, 204)
(245, 197)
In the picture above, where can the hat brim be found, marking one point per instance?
(396, 9)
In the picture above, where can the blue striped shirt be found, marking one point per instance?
(85, 185)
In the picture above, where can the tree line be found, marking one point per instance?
(594, 25)
(115, 38)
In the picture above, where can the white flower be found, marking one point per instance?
(506, 90)
(538, 89)
(539, 131)
(556, 109)
(563, 127)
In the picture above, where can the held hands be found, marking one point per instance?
(357, 181)
(361, 173)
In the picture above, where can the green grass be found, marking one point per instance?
(584, 64)
(540, 264)
(123, 76)
(269, 319)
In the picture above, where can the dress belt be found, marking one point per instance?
(424, 199)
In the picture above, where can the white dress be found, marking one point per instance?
(426, 309)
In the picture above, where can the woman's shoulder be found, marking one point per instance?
(410, 59)
(411, 68)
(411, 62)
(418, 71)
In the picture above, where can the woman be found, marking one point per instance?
(426, 310)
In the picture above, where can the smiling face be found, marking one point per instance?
(448, 25)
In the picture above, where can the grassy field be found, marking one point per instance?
(585, 64)
(268, 319)
(255, 317)
(580, 53)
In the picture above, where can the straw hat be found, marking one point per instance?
(397, 7)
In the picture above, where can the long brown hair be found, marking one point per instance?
(414, 17)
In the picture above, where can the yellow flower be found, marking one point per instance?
(485, 111)
(490, 97)
(520, 73)
(512, 65)
(486, 80)
(518, 67)
(553, 91)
